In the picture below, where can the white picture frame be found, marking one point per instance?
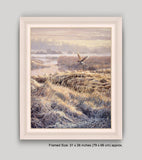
(115, 132)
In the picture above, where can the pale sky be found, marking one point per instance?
(81, 37)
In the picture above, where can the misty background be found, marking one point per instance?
(48, 44)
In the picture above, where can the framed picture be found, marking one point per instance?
(70, 78)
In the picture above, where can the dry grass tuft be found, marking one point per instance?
(71, 100)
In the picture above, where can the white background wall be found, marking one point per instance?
(10, 12)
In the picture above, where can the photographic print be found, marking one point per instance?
(71, 78)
